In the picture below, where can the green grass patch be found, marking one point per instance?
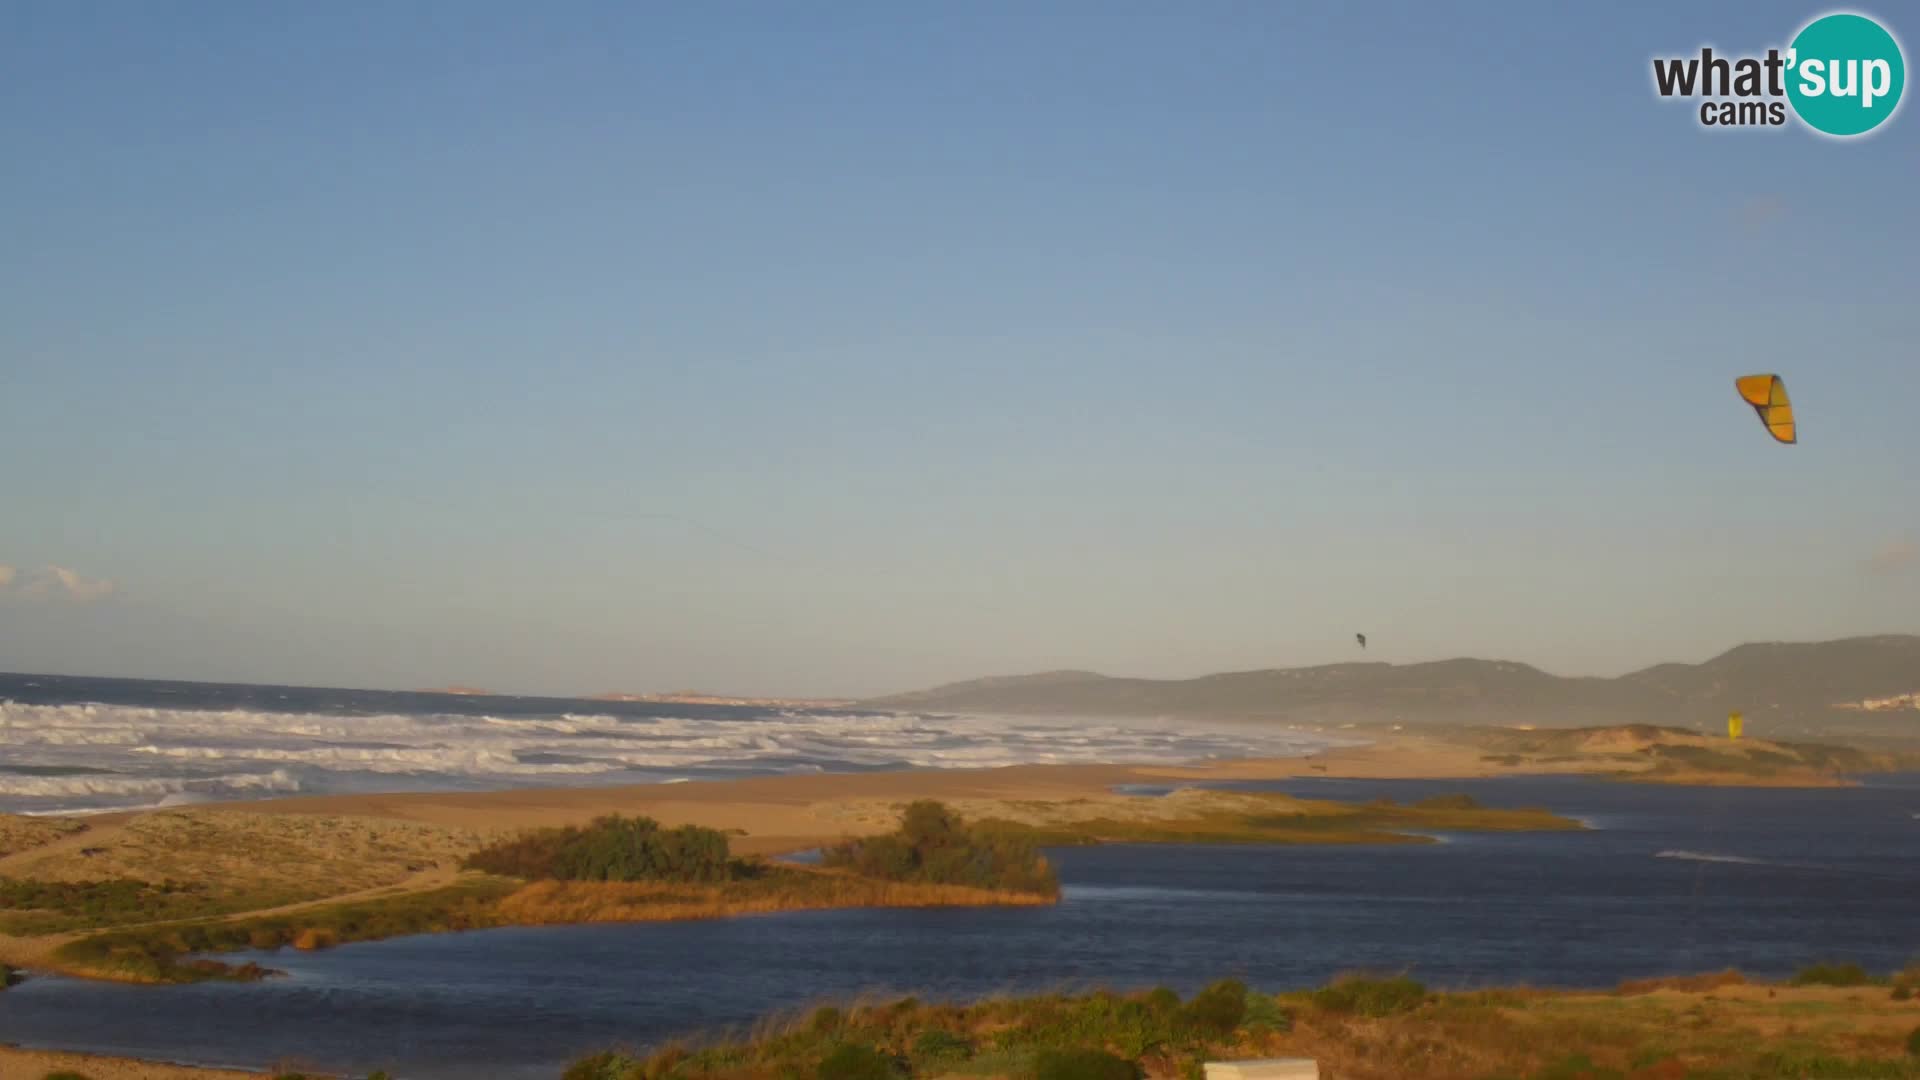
(1841, 974)
(161, 953)
(29, 908)
(1363, 996)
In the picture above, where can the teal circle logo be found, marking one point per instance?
(1844, 74)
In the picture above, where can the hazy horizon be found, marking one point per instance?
(853, 351)
(578, 693)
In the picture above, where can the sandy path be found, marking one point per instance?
(95, 835)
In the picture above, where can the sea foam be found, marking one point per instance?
(150, 752)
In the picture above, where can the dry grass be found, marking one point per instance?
(1196, 815)
(19, 833)
(244, 861)
(1693, 984)
(557, 902)
(1738, 1032)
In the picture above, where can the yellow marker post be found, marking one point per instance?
(1733, 725)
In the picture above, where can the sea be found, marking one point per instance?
(77, 745)
(1663, 880)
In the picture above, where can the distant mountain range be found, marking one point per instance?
(1866, 684)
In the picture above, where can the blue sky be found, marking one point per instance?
(748, 347)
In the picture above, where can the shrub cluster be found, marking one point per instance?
(1832, 975)
(934, 845)
(612, 848)
(1083, 1064)
(1097, 1036)
(851, 1061)
(1363, 996)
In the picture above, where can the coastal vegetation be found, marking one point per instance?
(613, 848)
(1717, 1027)
(205, 862)
(168, 952)
(615, 869)
(48, 907)
(1650, 754)
(934, 846)
(629, 870)
(1218, 817)
(21, 833)
(795, 888)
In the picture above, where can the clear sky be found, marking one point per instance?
(851, 347)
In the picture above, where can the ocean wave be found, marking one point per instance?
(279, 780)
(154, 751)
(1700, 856)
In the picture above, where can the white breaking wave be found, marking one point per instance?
(95, 784)
(145, 752)
(1699, 856)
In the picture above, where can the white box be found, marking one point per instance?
(1264, 1069)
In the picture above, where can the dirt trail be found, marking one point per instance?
(73, 843)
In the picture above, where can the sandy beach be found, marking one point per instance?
(780, 814)
(17, 1064)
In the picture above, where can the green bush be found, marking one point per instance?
(1576, 1067)
(934, 845)
(66, 1074)
(612, 848)
(1085, 1064)
(1163, 1001)
(1218, 1009)
(937, 1045)
(607, 1066)
(1371, 997)
(1903, 992)
(1831, 975)
(851, 1061)
(8, 975)
(1781, 1065)
(1913, 1042)
(825, 1020)
(1264, 1013)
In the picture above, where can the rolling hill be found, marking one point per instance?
(1799, 688)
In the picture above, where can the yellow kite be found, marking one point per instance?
(1733, 725)
(1768, 396)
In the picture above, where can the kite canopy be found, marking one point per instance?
(1768, 396)
(1734, 725)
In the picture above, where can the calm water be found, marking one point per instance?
(1670, 880)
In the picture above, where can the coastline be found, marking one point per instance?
(28, 1064)
(395, 849)
(773, 816)
(778, 815)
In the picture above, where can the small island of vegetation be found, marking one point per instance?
(615, 869)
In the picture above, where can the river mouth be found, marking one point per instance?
(1587, 908)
